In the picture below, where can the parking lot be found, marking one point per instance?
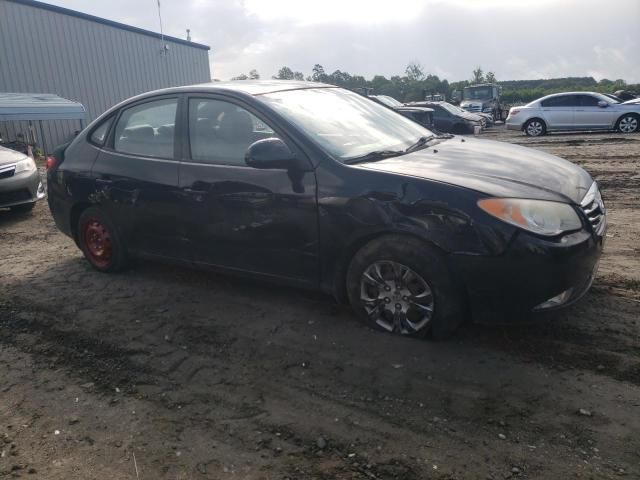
(166, 372)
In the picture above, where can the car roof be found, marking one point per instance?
(570, 93)
(242, 87)
(250, 87)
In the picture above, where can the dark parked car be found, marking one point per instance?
(421, 115)
(449, 118)
(320, 187)
(20, 185)
(624, 95)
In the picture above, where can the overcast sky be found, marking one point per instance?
(516, 39)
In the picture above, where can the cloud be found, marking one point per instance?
(516, 39)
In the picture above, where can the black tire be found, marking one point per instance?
(92, 220)
(628, 123)
(428, 263)
(24, 208)
(531, 129)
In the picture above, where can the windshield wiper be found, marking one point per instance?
(421, 142)
(374, 156)
(382, 154)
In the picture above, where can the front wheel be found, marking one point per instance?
(628, 123)
(535, 127)
(401, 285)
(100, 241)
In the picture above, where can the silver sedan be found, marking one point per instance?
(20, 184)
(574, 111)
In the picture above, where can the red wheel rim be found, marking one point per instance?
(98, 243)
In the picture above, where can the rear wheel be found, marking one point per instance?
(100, 241)
(628, 123)
(535, 127)
(401, 285)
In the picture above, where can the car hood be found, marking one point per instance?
(494, 168)
(10, 156)
(466, 103)
(468, 115)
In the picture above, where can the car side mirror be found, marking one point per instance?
(602, 104)
(270, 153)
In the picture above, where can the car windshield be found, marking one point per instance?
(452, 108)
(392, 102)
(477, 93)
(345, 124)
(383, 99)
(612, 97)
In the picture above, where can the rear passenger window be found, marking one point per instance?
(561, 101)
(221, 132)
(99, 134)
(147, 129)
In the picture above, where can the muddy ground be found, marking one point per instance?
(168, 373)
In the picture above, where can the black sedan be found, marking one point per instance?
(449, 118)
(421, 115)
(317, 186)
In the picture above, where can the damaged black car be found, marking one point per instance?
(317, 186)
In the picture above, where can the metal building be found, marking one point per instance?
(97, 62)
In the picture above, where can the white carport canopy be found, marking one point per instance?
(39, 106)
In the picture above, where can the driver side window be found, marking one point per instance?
(221, 132)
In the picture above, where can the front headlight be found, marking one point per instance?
(26, 165)
(537, 216)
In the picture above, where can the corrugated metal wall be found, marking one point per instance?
(98, 65)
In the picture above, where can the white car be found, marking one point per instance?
(574, 111)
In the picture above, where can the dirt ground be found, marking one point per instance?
(168, 373)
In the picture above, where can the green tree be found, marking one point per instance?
(298, 76)
(478, 75)
(490, 77)
(414, 72)
(318, 74)
(285, 73)
(254, 75)
(240, 77)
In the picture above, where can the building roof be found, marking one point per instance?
(104, 21)
(38, 106)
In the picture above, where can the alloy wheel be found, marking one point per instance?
(396, 298)
(98, 243)
(628, 124)
(535, 128)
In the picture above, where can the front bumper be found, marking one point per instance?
(532, 271)
(21, 188)
(470, 126)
